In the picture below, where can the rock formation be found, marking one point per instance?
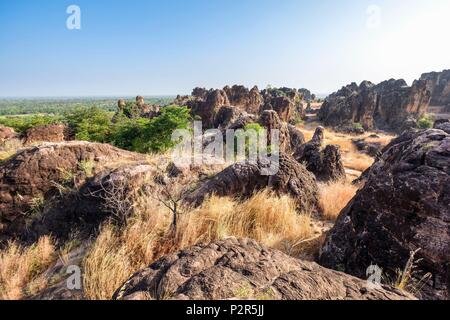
(247, 100)
(390, 105)
(7, 134)
(285, 101)
(134, 110)
(443, 125)
(243, 269)
(217, 107)
(404, 206)
(241, 180)
(326, 164)
(306, 95)
(290, 137)
(49, 133)
(36, 174)
(439, 85)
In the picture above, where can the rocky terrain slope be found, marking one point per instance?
(404, 207)
(243, 269)
(37, 175)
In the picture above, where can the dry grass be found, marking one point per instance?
(357, 161)
(117, 254)
(334, 197)
(20, 268)
(9, 148)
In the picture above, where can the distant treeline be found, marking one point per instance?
(60, 106)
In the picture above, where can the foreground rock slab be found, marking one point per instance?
(403, 207)
(243, 269)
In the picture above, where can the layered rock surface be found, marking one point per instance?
(243, 269)
(37, 174)
(390, 105)
(404, 206)
(439, 85)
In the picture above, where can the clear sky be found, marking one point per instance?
(160, 47)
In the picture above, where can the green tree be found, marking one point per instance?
(89, 124)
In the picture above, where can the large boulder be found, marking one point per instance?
(443, 124)
(390, 105)
(243, 269)
(207, 109)
(36, 174)
(48, 133)
(6, 134)
(439, 85)
(242, 179)
(404, 206)
(325, 163)
(108, 194)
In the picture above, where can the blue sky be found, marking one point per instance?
(168, 47)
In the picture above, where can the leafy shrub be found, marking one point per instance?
(89, 124)
(358, 126)
(425, 122)
(150, 135)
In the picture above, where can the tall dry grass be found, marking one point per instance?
(20, 268)
(117, 254)
(334, 197)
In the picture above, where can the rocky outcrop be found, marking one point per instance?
(307, 95)
(241, 180)
(390, 105)
(6, 134)
(443, 124)
(208, 108)
(243, 269)
(108, 194)
(49, 133)
(290, 138)
(217, 107)
(226, 116)
(247, 100)
(326, 164)
(135, 110)
(439, 85)
(285, 101)
(37, 174)
(404, 206)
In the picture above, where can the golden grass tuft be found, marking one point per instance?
(117, 254)
(20, 268)
(334, 197)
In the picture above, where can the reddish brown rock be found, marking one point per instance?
(243, 269)
(325, 163)
(390, 105)
(439, 85)
(290, 138)
(36, 174)
(404, 206)
(6, 134)
(49, 133)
